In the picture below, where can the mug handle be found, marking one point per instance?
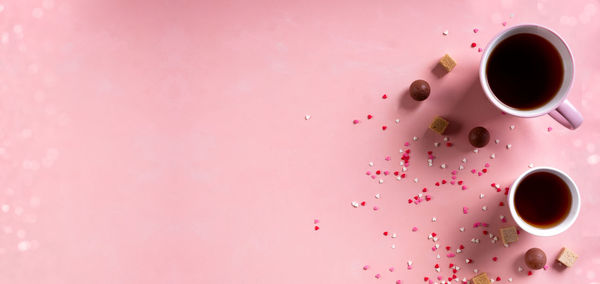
(567, 115)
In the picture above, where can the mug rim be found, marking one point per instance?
(539, 111)
(562, 226)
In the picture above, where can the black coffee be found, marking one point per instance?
(525, 71)
(543, 200)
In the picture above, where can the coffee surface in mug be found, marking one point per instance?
(543, 199)
(525, 71)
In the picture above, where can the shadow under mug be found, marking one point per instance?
(558, 228)
(559, 107)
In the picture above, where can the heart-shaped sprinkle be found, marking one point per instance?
(369, 116)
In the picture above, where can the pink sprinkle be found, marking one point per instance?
(406, 144)
(453, 177)
(475, 30)
(373, 176)
(464, 187)
(487, 165)
(386, 173)
(387, 158)
(430, 281)
(504, 23)
(356, 121)
(375, 208)
(316, 221)
(366, 267)
(377, 275)
(479, 173)
(398, 281)
(465, 210)
(454, 172)
(409, 267)
(414, 229)
(480, 49)
(476, 224)
(503, 220)
(549, 129)
(450, 255)
(391, 269)
(452, 182)
(433, 248)
(485, 224)
(473, 171)
(546, 267)
(368, 173)
(440, 277)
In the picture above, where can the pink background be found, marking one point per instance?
(165, 141)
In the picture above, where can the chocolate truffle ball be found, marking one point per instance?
(419, 90)
(535, 258)
(479, 137)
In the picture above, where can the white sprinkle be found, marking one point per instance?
(520, 269)
(492, 280)
(430, 237)
(445, 32)
(497, 141)
(467, 260)
(512, 127)
(501, 217)
(438, 256)
(437, 246)
(394, 235)
(354, 204)
(481, 195)
(415, 138)
(443, 166)
(433, 219)
(508, 146)
(5, 208)
(492, 156)
(510, 279)
(462, 229)
(409, 263)
(458, 250)
(393, 246)
(497, 186)
(477, 241)
(475, 270)
(402, 163)
(457, 267)
(506, 245)
(398, 178)
(377, 195)
(531, 165)
(416, 180)
(401, 151)
(23, 245)
(476, 151)
(380, 181)
(404, 169)
(397, 120)
(435, 239)
(461, 167)
(307, 117)
(370, 164)
(446, 139)
(436, 144)
(484, 208)
(420, 195)
(464, 160)
(437, 269)
(464, 280)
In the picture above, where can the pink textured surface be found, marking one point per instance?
(166, 141)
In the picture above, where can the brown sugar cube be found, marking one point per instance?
(439, 125)
(448, 63)
(480, 278)
(567, 257)
(509, 235)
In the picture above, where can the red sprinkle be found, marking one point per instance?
(451, 265)
(378, 172)
(498, 278)
(369, 116)
(447, 247)
(396, 173)
(384, 127)
(437, 184)
(384, 96)
(494, 258)
(444, 181)
(433, 234)
(460, 182)
(449, 144)
(363, 203)
(425, 278)
(316, 228)
(473, 44)
(385, 233)
(501, 203)
(485, 232)
(484, 171)
(410, 200)
(529, 273)
(403, 176)
(462, 247)
(424, 189)
(437, 265)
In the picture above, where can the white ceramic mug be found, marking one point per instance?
(559, 107)
(560, 227)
